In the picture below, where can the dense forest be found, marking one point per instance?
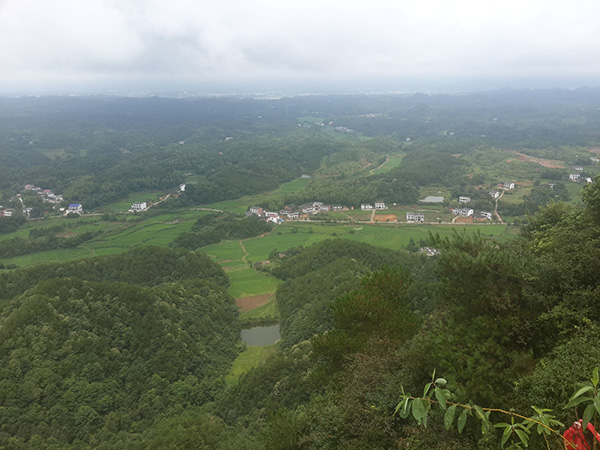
(135, 349)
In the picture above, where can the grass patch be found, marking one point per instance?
(246, 282)
(248, 359)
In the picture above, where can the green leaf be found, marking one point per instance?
(449, 416)
(441, 382)
(479, 412)
(588, 414)
(426, 390)
(597, 403)
(418, 410)
(405, 409)
(506, 435)
(595, 378)
(522, 436)
(400, 405)
(576, 401)
(441, 397)
(581, 391)
(462, 420)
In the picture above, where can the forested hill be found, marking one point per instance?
(513, 325)
(99, 353)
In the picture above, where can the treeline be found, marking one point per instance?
(18, 246)
(90, 361)
(146, 266)
(215, 227)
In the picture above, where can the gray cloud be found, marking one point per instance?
(111, 41)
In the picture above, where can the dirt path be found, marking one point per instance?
(496, 208)
(350, 217)
(372, 217)
(246, 254)
(387, 159)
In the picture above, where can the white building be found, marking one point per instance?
(366, 206)
(509, 185)
(415, 217)
(182, 187)
(495, 194)
(486, 215)
(75, 208)
(578, 168)
(464, 199)
(139, 206)
(574, 177)
(464, 212)
(380, 205)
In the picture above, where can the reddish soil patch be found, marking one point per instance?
(464, 220)
(385, 218)
(595, 150)
(550, 163)
(248, 303)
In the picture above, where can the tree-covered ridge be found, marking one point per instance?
(216, 227)
(83, 361)
(146, 266)
(317, 275)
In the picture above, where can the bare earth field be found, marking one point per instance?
(385, 218)
(248, 303)
(464, 220)
(550, 163)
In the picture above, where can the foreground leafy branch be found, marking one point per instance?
(517, 431)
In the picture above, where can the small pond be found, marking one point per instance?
(261, 335)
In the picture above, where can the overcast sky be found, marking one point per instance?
(403, 45)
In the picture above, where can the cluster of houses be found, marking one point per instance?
(290, 213)
(47, 195)
(576, 177)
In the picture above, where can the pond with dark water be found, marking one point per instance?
(266, 335)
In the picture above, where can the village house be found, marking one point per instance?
(574, 177)
(53, 198)
(464, 199)
(594, 159)
(29, 187)
(293, 215)
(75, 208)
(464, 212)
(337, 207)
(8, 212)
(485, 215)
(495, 194)
(578, 168)
(307, 208)
(415, 217)
(138, 206)
(509, 185)
(182, 187)
(256, 210)
(366, 206)
(380, 205)
(272, 214)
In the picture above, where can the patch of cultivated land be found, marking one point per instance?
(391, 218)
(549, 163)
(248, 303)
